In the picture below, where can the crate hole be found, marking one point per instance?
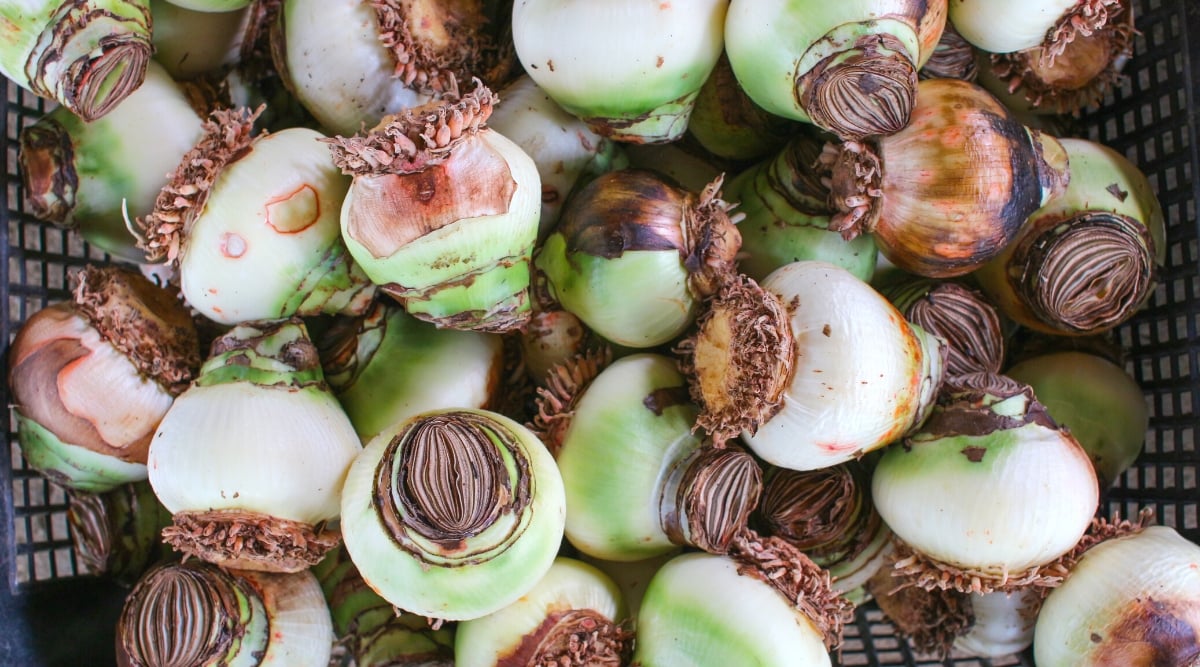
(43, 566)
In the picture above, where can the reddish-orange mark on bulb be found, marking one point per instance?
(295, 211)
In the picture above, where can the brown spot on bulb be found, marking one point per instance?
(974, 454)
(1150, 633)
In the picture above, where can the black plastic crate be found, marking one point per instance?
(52, 612)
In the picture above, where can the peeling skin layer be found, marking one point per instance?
(421, 489)
(930, 619)
(389, 211)
(185, 614)
(869, 93)
(710, 497)
(1087, 274)
(799, 580)
(572, 638)
(226, 139)
(249, 540)
(965, 407)
(110, 70)
(147, 323)
(48, 175)
(436, 43)
(740, 360)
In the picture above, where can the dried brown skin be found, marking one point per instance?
(572, 638)
(949, 191)
(1079, 61)
(249, 540)
(869, 93)
(441, 505)
(255, 59)
(147, 323)
(624, 211)
(825, 513)
(929, 619)
(181, 614)
(509, 388)
(1149, 633)
(1084, 274)
(337, 346)
(436, 43)
(963, 407)
(637, 209)
(962, 316)
(739, 361)
(953, 58)
(712, 241)
(226, 139)
(48, 176)
(88, 93)
(708, 497)
(565, 383)
(799, 580)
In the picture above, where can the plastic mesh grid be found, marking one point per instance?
(1150, 119)
(37, 258)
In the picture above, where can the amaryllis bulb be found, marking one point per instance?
(1089, 259)
(443, 213)
(453, 514)
(631, 70)
(812, 369)
(251, 224)
(195, 613)
(251, 458)
(574, 614)
(87, 55)
(86, 175)
(92, 377)
(352, 63)
(1133, 600)
(634, 254)
(847, 67)
(949, 191)
(990, 486)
